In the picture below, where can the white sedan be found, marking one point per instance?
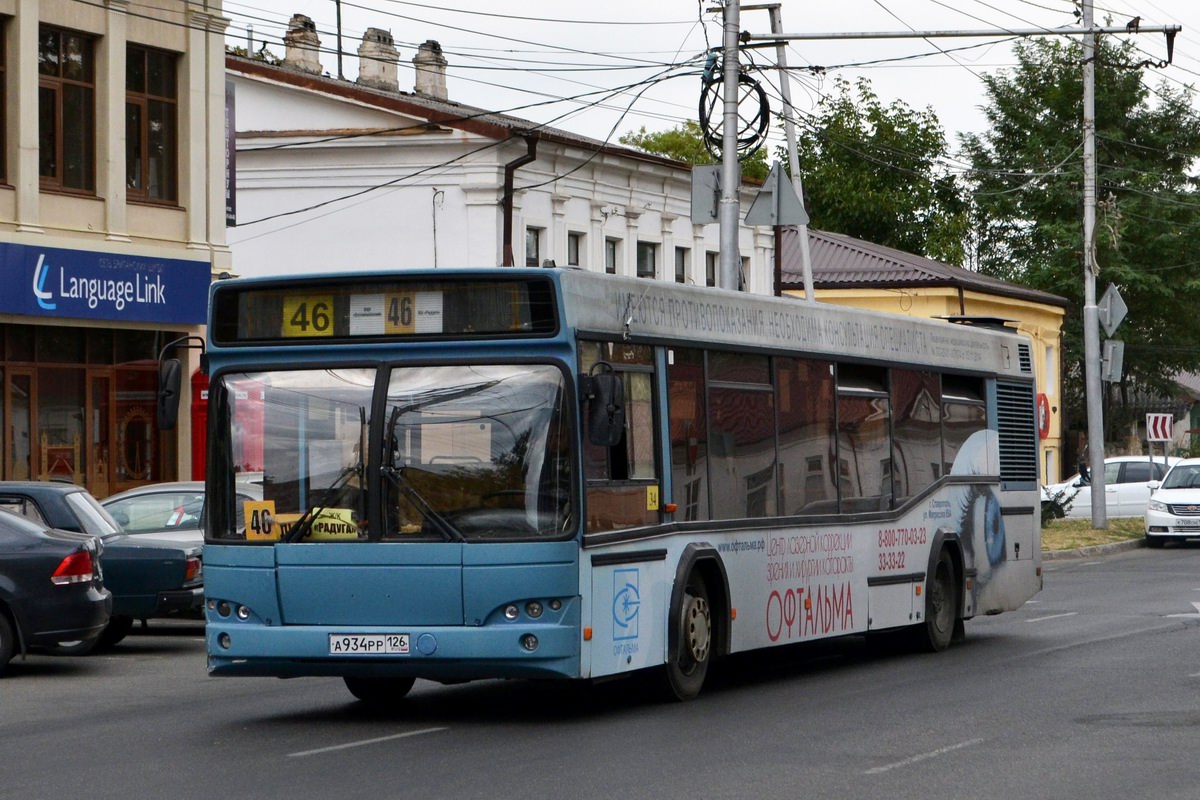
(1174, 509)
(1126, 487)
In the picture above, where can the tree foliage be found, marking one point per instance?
(877, 173)
(686, 143)
(1028, 213)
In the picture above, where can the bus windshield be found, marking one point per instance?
(464, 453)
(476, 451)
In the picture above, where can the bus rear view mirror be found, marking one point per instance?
(170, 375)
(606, 408)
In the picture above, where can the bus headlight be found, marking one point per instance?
(511, 612)
(529, 642)
(533, 608)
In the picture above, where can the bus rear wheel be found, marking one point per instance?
(687, 666)
(941, 606)
(379, 691)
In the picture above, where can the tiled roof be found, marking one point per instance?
(843, 262)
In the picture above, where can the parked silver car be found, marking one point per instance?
(173, 509)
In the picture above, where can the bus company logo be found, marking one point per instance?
(627, 601)
(39, 285)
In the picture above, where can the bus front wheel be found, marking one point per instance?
(941, 606)
(379, 691)
(688, 664)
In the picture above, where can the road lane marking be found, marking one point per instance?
(941, 751)
(363, 742)
(1053, 616)
(1197, 614)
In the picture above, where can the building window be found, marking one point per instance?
(610, 256)
(681, 259)
(574, 246)
(744, 275)
(647, 258)
(533, 247)
(66, 110)
(151, 134)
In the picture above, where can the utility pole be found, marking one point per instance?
(789, 132)
(729, 212)
(1091, 315)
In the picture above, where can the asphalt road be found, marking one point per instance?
(1088, 692)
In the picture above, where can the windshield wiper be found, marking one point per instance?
(444, 526)
(302, 526)
(395, 474)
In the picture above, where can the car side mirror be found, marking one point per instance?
(1153, 485)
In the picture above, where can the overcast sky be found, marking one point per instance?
(525, 58)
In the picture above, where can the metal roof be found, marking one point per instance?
(843, 262)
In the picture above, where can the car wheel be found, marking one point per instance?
(8, 642)
(79, 647)
(116, 630)
(379, 691)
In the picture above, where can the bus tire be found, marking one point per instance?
(379, 691)
(684, 672)
(941, 606)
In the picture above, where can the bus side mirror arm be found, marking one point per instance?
(605, 395)
(170, 377)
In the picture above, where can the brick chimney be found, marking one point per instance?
(377, 60)
(431, 70)
(303, 48)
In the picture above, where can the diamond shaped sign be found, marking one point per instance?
(1112, 309)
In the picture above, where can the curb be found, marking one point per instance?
(1093, 550)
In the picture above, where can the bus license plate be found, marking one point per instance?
(358, 644)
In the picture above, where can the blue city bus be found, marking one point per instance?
(545, 473)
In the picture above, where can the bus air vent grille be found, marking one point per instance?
(1017, 426)
(1025, 359)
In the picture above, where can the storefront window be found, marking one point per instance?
(71, 409)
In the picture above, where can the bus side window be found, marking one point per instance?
(618, 477)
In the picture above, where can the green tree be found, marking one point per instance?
(877, 173)
(686, 143)
(1028, 218)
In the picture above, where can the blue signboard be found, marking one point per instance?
(84, 284)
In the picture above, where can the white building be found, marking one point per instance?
(112, 223)
(339, 174)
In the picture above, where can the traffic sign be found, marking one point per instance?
(706, 193)
(1159, 427)
(776, 203)
(1112, 309)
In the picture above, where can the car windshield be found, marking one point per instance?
(158, 511)
(92, 516)
(1184, 476)
(463, 453)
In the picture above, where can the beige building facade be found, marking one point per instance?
(112, 224)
